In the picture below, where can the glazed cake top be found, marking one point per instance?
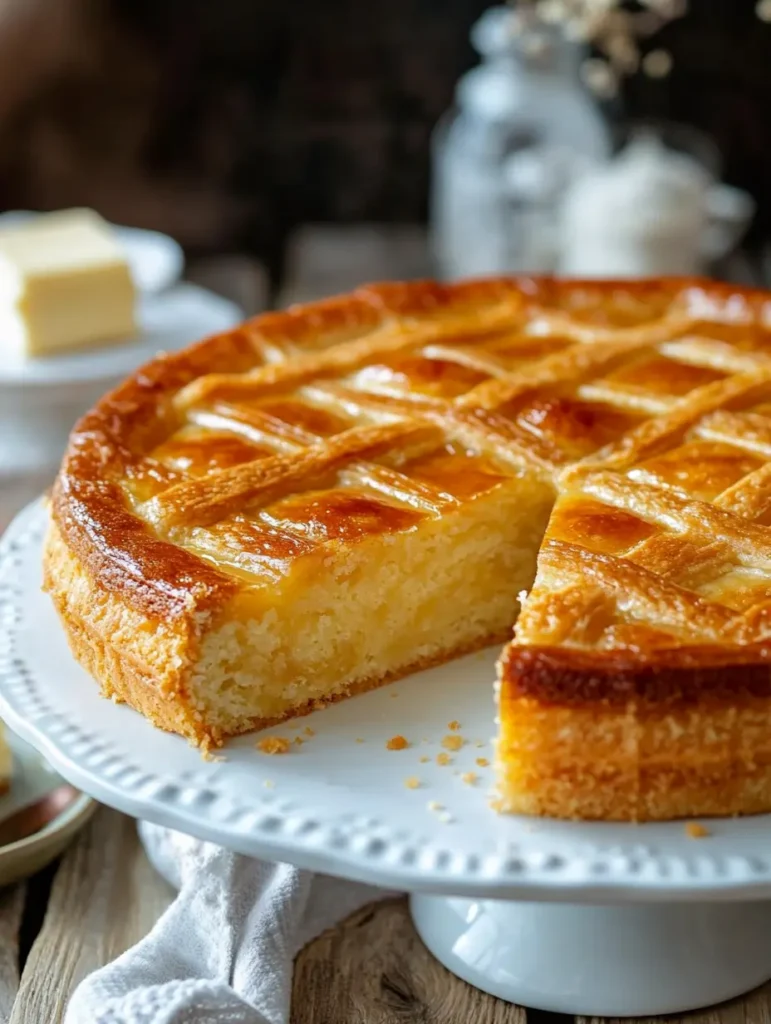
(647, 407)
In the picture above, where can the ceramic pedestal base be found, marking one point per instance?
(608, 961)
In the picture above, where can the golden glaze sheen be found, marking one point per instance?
(354, 450)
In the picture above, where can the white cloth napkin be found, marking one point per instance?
(224, 949)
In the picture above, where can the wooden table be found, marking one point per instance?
(370, 969)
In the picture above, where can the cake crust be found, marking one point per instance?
(675, 677)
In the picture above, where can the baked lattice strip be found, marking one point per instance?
(202, 502)
(700, 520)
(746, 430)
(666, 430)
(640, 596)
(392, 337)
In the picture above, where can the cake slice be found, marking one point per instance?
(638, 684)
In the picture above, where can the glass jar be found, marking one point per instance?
(522, 124)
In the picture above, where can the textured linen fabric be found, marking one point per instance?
(224, 950)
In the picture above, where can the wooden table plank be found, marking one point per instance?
(235, 277)
(754, 1008)
(370, 969)
(373, 969)
(326, 259)
(105, 897)
(11, 906)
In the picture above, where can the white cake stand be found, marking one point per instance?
(596, 919)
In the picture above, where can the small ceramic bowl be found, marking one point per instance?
(39, 815)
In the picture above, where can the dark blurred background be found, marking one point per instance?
(229, 123)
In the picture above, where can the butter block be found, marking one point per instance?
(64, 283)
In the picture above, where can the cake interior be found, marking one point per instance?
(409, 590)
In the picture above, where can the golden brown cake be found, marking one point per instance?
(332, 497)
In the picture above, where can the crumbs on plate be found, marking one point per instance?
(397, 743)
(482, 762)
(413, 782)
(273, 745)
(696, 831)
(453, 742)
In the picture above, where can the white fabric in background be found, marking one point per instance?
(223, 952)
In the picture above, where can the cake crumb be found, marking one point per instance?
(269, 783)
(308, 731)
(413, 782)
(394, 694)
(424, 759)
(469, 778)
(397, 743)
(359, 739)
(452, 742)
(434, 805)
(299, 741)
(696, 831)
(273, 745)
(480, 744)
(454, 725)
(443, 759)
(482, 762)
(445, 817)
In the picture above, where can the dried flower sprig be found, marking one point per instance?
(611, 26)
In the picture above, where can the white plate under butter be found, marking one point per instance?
(167, 322)
(40, 399)
(605, 919)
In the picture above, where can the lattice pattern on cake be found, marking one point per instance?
(663, 537)
(651, 413)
